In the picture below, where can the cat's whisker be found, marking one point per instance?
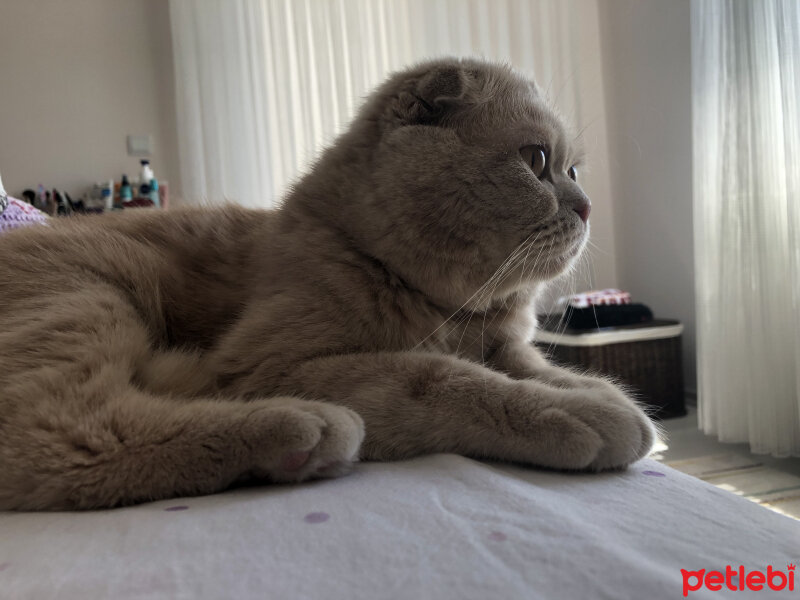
(503, 272)
(522, 275)
(567, 286)
(572, 280)
(497, 312)
(533, 271)
(519, 284)
(480, 291)
(489, 288)
(508, 267)
(532, 268)
(592, 247)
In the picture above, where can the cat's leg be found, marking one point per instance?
(516, 356)
(137, 448)
(416, 403)
(75, 432)
(521, 360)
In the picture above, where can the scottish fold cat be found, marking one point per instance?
(382, 312)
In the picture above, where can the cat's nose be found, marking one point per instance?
(583, 207)
(573, 197)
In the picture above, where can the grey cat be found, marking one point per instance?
(388, 301)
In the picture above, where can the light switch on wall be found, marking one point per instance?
(140, 145)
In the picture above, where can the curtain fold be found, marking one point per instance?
(263, 85)
(746, 104)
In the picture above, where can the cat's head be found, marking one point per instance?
(469, 172)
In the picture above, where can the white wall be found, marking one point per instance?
(76, 77)
(647, 78)
(595, 176)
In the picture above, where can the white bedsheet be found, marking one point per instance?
(439, 527)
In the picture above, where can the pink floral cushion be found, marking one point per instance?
(20, 214)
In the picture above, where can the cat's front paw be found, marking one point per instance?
(307, 440)
(627, 432)
(592, 429)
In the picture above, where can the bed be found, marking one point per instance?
(442, 526)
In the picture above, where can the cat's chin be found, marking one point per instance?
(558, 263)
(554, 267)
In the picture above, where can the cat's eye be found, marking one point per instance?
(573, 173)
(535, 158)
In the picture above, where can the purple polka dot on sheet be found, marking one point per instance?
(316, 517)
(654, 473)
(497, 536)
(174, 508)
(4, 566)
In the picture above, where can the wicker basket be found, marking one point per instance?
(645, 356)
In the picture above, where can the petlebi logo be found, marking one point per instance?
(739, 579)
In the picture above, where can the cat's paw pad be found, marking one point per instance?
(308, 440)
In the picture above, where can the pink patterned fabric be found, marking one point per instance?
(20, 214)
(596, 297)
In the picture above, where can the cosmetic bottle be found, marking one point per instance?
(147, 172)
(154, 197)
(107, 193)
(3, 197)
(125, 192)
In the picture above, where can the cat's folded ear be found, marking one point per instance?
(429, 99)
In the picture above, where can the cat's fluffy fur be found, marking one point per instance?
(157, 354)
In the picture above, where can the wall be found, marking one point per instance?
(647, 77)
(595, 175)
(75, 78)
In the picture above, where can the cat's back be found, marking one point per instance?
(130, 248)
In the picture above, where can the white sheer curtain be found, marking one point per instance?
(746, 89)
(262, 85)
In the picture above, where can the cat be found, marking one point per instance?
(384, 311)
